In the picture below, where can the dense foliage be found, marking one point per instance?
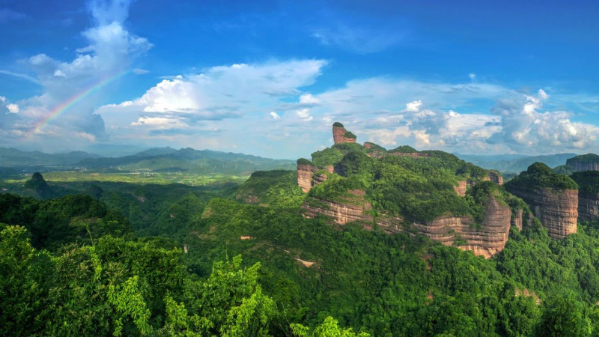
(276, 188)
(539, 175)
(124, 259)
(588, 181)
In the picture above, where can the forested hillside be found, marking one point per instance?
(272, 257)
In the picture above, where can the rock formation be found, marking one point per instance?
(587, 162)
(556, 209)
(305, 172)
(486, 240)
(588, 206)
(341, 213)
(496, 177)
(340, 135)
(461, 188)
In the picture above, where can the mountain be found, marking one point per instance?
(515, 163)
(188, 160)
(10, 157)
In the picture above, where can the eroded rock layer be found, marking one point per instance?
(485, 240)
(579, 166)
(556, 209)
(305, 172)
(588, 207)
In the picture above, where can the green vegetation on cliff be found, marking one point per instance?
(539, 175)
(274, 188)
(588, 181)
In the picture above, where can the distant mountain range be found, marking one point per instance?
(10, 157)
(515, 163)
(164, 159)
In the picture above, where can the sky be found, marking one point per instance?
(269, 77)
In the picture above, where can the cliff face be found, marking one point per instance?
(305, 173)
(341, 213)
(487, 240)
(582, 166)
(556, 209)
(588, 206)
(496, 178)
(339, 135)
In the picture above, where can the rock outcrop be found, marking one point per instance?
(305, 172)
(579, 166)
(461, 188)
(588, 206)
(341, 135)
(341, 213)
(556, 209)
(496, 177)
(485, 240)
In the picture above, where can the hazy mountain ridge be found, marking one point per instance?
(10, 157)
(515, 163)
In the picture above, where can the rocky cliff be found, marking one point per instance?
(582, 166)
(305, 172)
(496, 177)
(340, 212)
(556, 209)
(486, 239)
(341, 135)
(588, 206)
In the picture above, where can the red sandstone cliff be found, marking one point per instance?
(340, 135)
(305, 172)
(556, 209)
(496, 177)
(486, 240)
(588, 206)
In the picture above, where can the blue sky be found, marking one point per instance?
(270, 77)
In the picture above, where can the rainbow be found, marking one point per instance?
(66, 105)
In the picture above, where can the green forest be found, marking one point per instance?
(227, 259)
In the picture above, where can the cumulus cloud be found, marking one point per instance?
(413, 106)
(12, 108)
(525, 128)
(215, 95)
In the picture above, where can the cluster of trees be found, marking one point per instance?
(539, 175)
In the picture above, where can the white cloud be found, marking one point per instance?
(212, 97)
(308, 99)
(472, 76)
(2, 99)
(12, 108)
(304, 114)
(413, 106)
